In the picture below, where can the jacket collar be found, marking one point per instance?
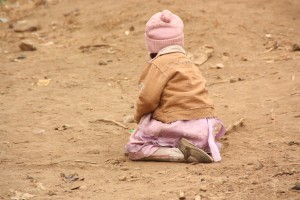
(169, 49)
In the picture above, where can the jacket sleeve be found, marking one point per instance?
(151, 85)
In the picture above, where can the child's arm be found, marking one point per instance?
(151, 85)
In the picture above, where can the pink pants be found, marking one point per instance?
(151, 134)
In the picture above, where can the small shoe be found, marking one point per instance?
(190, 150)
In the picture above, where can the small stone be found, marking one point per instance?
(269, 35)
(128, 119)
(83, 187)
(131, 28)
(232, 80)
(244, 59)
(295, 47)
(181, 195)
(124, 168)
(122, 178)
(230, 188)
(26, 26)
(39, 131)
(102, 62)
(4, 20)
(21, 57)
(297, 186)
(51, 193)
(197, 197)
(127, 32)
(219, 66)
(203, 188)
(27, 45)
(254, 183)
(258, 165)
(290, 143)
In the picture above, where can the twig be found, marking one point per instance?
(240, 122)
(214, 83)
(82, 161)
(76, 161)
(21, 142)
(95, 45)
(111, 121)
(273, 47)
(288, 164)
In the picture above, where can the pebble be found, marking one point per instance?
(124, 168)
(181, 195)
(83, 187)
(232, 80)
(4, 20)
(230, 188)
(27, 45)
(219, 66)
(26, 26)
(258, 165)
(197, 197)
(102, 62)
(297, 186)
(122, 178)
(51, 193)
(128, 119)
(203, 188)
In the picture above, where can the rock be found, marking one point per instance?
(128, 119)
(21, 57)
(258, 165)
(83, 187)
(102, 62)
(290, 143)
(4, 20)
(181, 195)
(203, 188)
(254, 183)
(27, 45)
(124, 168)
(232, 80)
(63, 127)
(297, 186)
(219, 66)
(122, 178)
(230, 188)
(295, 47)
(197, 197)
(39, 131)
(244, 59)
(43, 82)
(26, 26)
(51, 193)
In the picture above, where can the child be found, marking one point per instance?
(176, 120)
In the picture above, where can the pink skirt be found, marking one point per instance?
(151, 134)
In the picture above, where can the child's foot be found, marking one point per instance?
(190, 150)
(166, 154)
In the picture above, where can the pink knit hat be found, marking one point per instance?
(163, 29)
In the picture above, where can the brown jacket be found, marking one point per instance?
(172, 88)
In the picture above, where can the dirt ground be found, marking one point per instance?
(56, 144)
